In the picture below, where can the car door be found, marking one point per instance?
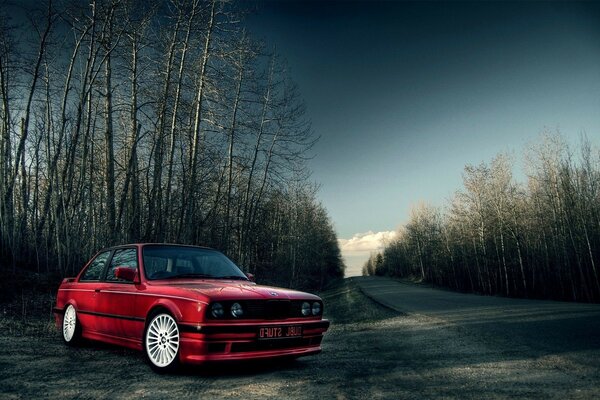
(85, 293)
(117, 298)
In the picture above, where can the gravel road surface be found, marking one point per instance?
(506, 347)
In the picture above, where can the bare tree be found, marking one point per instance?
(144, 122)
(536, 240)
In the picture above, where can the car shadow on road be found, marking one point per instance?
(236, 369)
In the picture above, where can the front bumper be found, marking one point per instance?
(222, 342)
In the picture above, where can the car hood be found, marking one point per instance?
(232, 290)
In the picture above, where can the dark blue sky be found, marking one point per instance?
(404, 94)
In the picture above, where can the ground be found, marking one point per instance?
(406, 349)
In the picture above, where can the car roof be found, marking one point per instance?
(129, 245)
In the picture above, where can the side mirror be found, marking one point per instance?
(251, 277)
(126, 273)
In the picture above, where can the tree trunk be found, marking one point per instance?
(188, 193)
(109, 139)
(175, 111)
(230, 148)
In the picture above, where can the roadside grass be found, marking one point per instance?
(32, 326)
(28, 314)
(344, 303)
(26, 302)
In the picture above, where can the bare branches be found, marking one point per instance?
(502, 237)
(158, 123)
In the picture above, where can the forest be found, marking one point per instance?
(538, 237)
(147, 121)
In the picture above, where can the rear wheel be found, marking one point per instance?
(161, 343)
(71, 329)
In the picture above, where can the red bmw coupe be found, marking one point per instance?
(185, 304)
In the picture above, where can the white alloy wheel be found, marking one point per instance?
(162, 341)
(69, 324)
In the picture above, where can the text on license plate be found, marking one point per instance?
(277, 332)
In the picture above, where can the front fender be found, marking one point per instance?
(169, 305)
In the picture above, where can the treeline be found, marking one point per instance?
(136, 120)
(539, 239)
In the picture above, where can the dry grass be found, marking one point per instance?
(26, 303)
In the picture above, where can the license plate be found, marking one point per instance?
(279, 332)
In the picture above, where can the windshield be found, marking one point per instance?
(170, 262)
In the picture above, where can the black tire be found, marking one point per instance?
(70, 328)
(161, 342)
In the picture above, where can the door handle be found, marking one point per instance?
(97, 290)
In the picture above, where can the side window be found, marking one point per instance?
(121, 258)
(94, 270)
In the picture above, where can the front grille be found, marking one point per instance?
(277, 309)
(270, 309)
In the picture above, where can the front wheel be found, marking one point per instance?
(71, 329)
(161, 343)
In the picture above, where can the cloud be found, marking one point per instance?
(359, 247)
(367, 241)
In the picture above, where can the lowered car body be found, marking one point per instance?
(185, 304)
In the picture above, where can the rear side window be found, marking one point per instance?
(93, 272)
(121, 258)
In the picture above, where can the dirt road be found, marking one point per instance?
(440, 345)
(543, 327)
(500, 345)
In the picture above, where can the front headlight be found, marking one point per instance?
(316, 308)
(237, 310)
(305, 309)
(217, 310)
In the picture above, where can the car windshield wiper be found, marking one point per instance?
(188, 275)
(232, 277)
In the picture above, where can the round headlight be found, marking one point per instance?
(236, 310)
(305, 309)
(217, 310)
(316, 308)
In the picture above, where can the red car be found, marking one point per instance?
(185, 304)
